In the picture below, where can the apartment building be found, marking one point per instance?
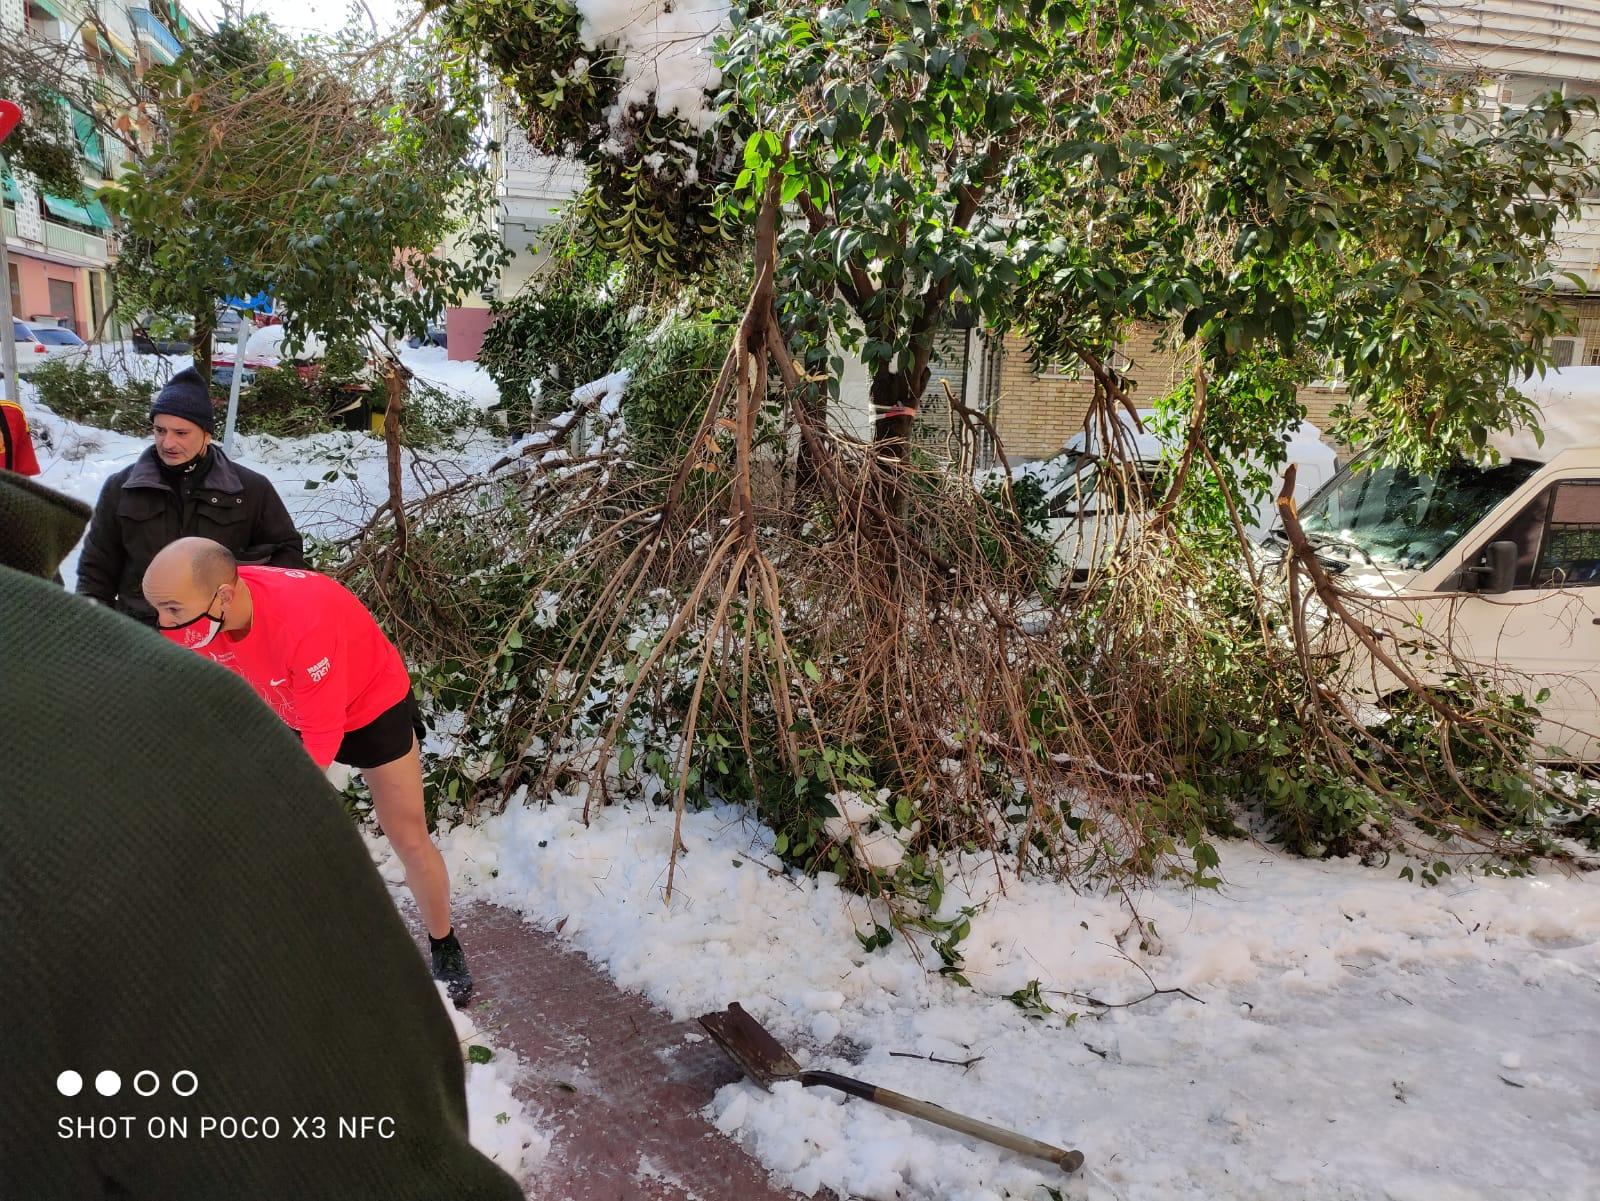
(61, 247)
(530, 189)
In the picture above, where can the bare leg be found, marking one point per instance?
(397, 800)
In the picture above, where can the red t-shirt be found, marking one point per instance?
(312, 652)
(20, 458)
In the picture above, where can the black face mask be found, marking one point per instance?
(196, 639)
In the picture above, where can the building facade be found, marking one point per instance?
(530, 189)
(61, 248)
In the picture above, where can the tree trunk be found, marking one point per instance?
(894, 400)
(205, 324)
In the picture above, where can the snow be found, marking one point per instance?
(1569, 404)
(498, 1123)
(665, 48)
(1346, 1034)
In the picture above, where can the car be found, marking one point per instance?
(38, 344)
(265, 349)
(436, 336)
(1087, 493)
(1490, 568)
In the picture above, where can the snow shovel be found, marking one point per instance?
(750, 1046)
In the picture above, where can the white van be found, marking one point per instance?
(1088, 500)
(1489, 568)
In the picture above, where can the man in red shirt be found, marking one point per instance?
(312, 651)
(17, 452)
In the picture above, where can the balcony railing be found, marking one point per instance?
(145, 21)
(64, 239)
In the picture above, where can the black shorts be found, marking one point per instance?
(384, 739)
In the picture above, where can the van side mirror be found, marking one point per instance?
(1497, 572)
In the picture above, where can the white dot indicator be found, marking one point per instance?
(146, 1078)
(194, 1083)
(108, 1083)
(69, 1083)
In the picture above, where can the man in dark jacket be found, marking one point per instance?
(182, 486)
(194, 931)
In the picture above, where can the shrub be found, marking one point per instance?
(80, 391)
(560, 332)
(672, 371)
(277, 402)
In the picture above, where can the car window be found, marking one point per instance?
(58, 337)
(19, 330)
(1570, 551)
(1526, 529)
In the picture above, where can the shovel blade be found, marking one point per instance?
(748, 1044)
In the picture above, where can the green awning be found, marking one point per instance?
(68, 210)
(98, 217)
(8, 185)
(88, 138)
(50, 8)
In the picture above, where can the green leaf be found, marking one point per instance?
(479, 1054)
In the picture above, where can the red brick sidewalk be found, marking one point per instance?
(617, 1084)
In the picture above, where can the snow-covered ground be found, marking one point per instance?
(1346, 1035)
(1341, 1035)
(497, 1121)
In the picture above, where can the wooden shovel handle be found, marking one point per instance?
(1069, 1161)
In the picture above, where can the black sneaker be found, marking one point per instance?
(450, 966)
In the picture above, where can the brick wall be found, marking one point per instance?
(1037, 408)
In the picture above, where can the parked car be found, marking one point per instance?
(265, 349)
(38, 344)
(436, 336)
(1088, 497)
(227, 327)
(1493, 566)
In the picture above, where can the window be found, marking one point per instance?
(1557, 537)
(1392, 515)
(1566, 352)
(56, 337)
(1521, 91)
(1571, 550)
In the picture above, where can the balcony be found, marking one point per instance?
(63, 239)
(163, 38)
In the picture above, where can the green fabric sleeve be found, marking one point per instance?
(183, 892)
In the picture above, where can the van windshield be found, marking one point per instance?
(1397, 517)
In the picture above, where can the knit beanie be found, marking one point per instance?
(186, 396)
(38, 527)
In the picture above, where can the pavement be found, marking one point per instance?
(617, 1083)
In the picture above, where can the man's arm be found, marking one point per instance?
(276, 533)
(101, 563)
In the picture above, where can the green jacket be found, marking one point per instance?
(181, 891)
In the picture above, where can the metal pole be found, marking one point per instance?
(8, 343)
(243, 340)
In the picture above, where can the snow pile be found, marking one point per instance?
(433, 365)
(665, 50)
(1340, 1033)
(497, 1122)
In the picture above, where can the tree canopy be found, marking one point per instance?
(1303, 180)
(325, 172)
